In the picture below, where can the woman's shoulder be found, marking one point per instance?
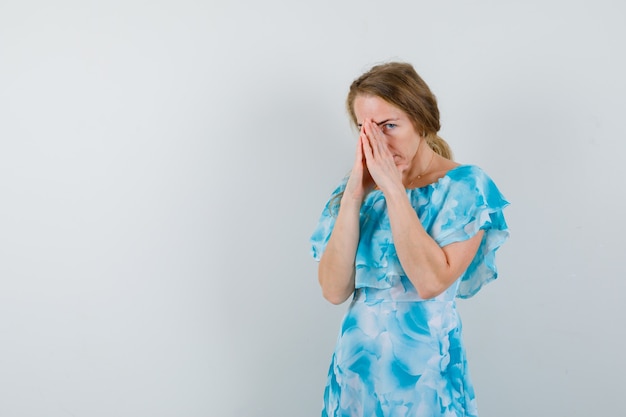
(460, 169)
(460, 183)
(468, 174)
(472, 184)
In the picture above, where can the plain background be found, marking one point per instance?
(163, 164)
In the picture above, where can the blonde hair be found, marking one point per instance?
(399, 84)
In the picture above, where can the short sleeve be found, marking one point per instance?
(326, 223)
(472, 202)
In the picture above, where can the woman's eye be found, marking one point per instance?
(389, 126)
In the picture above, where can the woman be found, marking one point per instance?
(405, 233)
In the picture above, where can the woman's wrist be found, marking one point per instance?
(351, 199)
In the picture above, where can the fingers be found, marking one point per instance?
(378, 157)
(366, 146)
(358, 157)
(360, 181)
(377, 140)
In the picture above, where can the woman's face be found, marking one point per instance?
(402, 139)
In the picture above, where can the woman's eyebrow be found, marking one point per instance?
(381, 123)
(386, 121)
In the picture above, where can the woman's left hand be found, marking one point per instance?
(378, 157)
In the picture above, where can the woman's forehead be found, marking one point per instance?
(373, 107)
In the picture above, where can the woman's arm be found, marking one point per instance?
(336, 267)
(431, 268)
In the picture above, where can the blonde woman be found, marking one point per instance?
(407, 232)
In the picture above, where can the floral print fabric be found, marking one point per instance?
(397, 354)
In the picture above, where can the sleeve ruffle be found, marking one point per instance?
(321, 234)
(471, 204)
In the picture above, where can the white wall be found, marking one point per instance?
(162, 165)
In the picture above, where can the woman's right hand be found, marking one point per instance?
(360, 181)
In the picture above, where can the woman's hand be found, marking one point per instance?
(379, 160)
(360, 182)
